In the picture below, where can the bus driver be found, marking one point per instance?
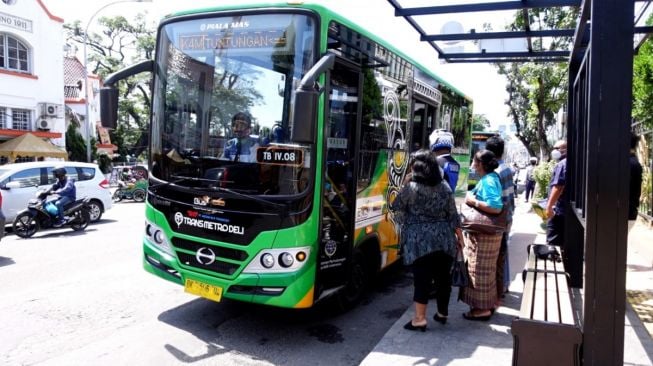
(242, 147)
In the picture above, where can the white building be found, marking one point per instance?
(31, 72)
(76, 94)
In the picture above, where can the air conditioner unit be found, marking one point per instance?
(45, 124)
(49, 110)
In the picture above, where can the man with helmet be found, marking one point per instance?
(64, 187)
(242, 147)
(441, 143)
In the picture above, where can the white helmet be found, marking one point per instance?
(440, 139)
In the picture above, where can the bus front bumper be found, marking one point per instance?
(289, 290)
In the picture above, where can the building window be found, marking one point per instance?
(14, 55)
(21, 119)
(3, 118)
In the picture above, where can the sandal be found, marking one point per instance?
(410, 326)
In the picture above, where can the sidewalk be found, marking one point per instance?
(463, 342)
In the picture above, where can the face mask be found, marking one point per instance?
(556, 155)
(472, 170)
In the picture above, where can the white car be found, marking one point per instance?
(27, 178)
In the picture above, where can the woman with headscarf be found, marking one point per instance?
(482, 249)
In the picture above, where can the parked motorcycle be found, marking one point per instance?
(41, 214)
(131, 191)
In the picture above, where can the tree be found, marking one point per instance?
(120, 43)
(480, 122)
(75, 144)
(537, 91)
(643, 84)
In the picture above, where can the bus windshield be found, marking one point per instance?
(222, 93)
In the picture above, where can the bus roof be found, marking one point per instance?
(333, 15)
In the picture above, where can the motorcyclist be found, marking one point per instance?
(64, 187)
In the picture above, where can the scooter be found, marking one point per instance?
(41, 214)
(131, 191)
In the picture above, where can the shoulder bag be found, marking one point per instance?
(473, 219)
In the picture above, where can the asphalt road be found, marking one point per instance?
(71, 298)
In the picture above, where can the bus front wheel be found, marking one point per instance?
(356, 285)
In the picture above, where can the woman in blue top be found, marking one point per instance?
(481, 250)
(430, 234)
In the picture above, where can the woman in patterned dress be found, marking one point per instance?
(426, 210)
(481, 250)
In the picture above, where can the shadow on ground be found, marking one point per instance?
(321, 335)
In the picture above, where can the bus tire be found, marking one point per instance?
(357, 283)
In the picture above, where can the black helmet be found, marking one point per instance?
(59, 172)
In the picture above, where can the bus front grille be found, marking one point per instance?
(194, 246)
(218, 266)
(207, 256)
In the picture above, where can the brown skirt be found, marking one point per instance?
(481, 252)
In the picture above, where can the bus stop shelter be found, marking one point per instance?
(598, 134)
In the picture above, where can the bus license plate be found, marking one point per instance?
(203, 289)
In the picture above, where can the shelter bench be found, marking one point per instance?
(546, 331)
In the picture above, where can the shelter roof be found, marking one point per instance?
(462, 32)
(32, 146)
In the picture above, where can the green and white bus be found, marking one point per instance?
(334, 113)
(478, 143)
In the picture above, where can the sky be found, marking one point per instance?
(479, 81)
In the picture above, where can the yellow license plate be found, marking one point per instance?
(203, 289)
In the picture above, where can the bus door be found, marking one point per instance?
(339, 190)
(417, 141)
(424, 117)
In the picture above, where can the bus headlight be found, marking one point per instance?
(286, 259)
(156, 236)
(278, 260)
(267, 260)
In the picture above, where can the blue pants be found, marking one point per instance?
(503, 266)
(60, 202)
(555, 231)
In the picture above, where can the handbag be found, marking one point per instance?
(473, 219)
(459, 274)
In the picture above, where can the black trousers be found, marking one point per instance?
(427, 269)
(530, 188)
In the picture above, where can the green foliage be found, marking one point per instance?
(643, 84)
(75, 144)
(372, 98)
(537, 91)
(119, 43)
(480, 123)
(104, 162)
(542, 175)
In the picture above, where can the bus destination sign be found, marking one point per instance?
(233, 39)
(280, 155)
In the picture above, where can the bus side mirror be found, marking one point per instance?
(306, 96)
(304, 116)
(109, 92)
(109, 106)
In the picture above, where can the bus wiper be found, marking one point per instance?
(177, 179)
(181, 178)
(283, 206)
